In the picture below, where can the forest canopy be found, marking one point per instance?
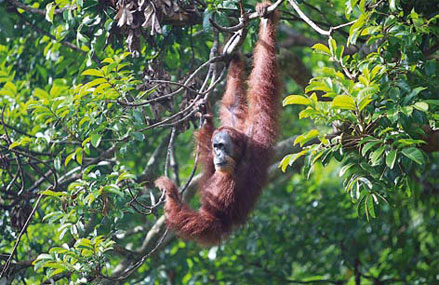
(99, 98)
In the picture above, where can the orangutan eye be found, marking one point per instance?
(219, 145)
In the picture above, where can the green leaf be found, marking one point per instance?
(365, 181)
(91, 197)
(308, 112)
(407, 110)
(376, 155)
(290, 159)
(42, 94)
(363, 103)
(370, 210)
(93, 72)
(314, 98)
(58, 250)
(53, 216)
(296, 100)
(339, 53)
(53, 193)
(317, 155)
(126, 175)
(285, 162)
(414, 154)
(50, 11)
(345, 168)
(391, 158)
(416, 91)
(303, 139)
(376, 70)
(57, 271)
(364, 78)
(43, 256)
(367, 92)
(332, 46)
(95, 82)
(63, 229)
(83, 120)
(57, 162)
(343, 102)
(408, 142)
(354, 31)
(368, 146)
(321, 48)
(108, 60)
(393, 7)
(360, 206)
(25, 141)
(21, 142)
(113, 188)
(84, 142)
(84, 243)
(68, 158)
(79, 157)
(102, 88)
(361, 5)
(421, 106)
(96, 139)
(367, 139)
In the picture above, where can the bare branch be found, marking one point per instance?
(270, 9)
(313, 25)
(169, 152)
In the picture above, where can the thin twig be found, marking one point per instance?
(8, 262)
(19, 131)
(164, 123)
(28, 155)
(174, 165)
(170, 146)
(17, 157)
(242, 23)
(183, 85)
(194, 169)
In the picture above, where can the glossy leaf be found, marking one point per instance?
(343, 102)
(414, 154)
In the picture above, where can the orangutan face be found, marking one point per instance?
(223, 152)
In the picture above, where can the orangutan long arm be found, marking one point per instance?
(233, 111)
(202, 226)
(204, 142)
(263, 84)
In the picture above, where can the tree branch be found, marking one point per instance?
(313, 25)
(35, 10)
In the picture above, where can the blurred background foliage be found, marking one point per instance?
(92, 111)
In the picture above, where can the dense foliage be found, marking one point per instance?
(384, 104)
(99, 98)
